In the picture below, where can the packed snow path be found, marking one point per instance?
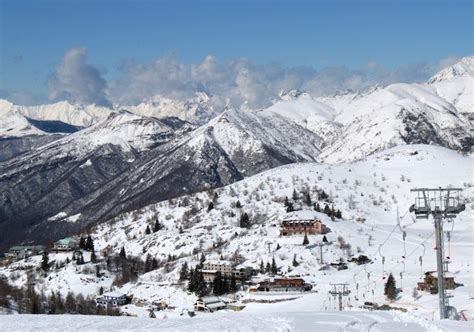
(221, 321)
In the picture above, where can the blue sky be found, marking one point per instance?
(36, 34)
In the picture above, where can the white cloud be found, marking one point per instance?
(242, 81)
(236, 82)
(77, 81)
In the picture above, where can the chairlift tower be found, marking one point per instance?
(339, 290)
(441, 203)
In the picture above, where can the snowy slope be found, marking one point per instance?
(455, 84)
(16, 125)
(301, 319)
(396, 115)
(307, 112)
(368, 194)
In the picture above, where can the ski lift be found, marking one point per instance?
(421, 207)
(401, 281)
(383, 262)
(404, 236)
(448, 235)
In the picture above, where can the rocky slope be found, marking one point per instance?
(128, 161)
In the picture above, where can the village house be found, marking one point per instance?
(284, 285)
(209, 303)
(66, 244)
(111, 299)
(430, 282)
(20, 252)
(301, 222)
(211, 268)
(224, 267)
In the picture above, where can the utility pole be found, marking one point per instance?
(321, 252)
(441, 203)
(339, 290)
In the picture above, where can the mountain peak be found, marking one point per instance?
(462, 68)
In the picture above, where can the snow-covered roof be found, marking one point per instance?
(67, 241)
(211, 299)
(446, 274)
(300, 215)
(215, 305)
(113, 294)
(20, 248)
(218, 262)
(208, 271)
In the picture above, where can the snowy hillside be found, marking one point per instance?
(367, 192)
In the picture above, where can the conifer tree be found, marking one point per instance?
(262, 267)
(89, 243)
(184, 273)
(295, 262)
(147, 230)
(148, 263)
(210, 206)
(157, 226)
(82, 243)
(122, 253)
(286, 201)
(93, 257)
(294, 196)
(233, 285)
(154, 263)
(317, 208)
(308, 199)
(45, 262)
(278, 246)
(192, 280)
(244, 220)
(325, 239)
(274, 266)
(327, 210)
(217, 285)
(305, 239)
(289, 207)
(391, 288)
(238, 205)
(268, 268)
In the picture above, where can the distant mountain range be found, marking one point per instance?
(63, 160)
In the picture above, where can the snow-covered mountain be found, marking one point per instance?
(196, 110)
(456, 84)
(63, 111)
(16, 125)
(356, 125)
(306, 111)
(395, 115)
(128, 161)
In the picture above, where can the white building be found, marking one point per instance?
(66, 244)
(209, 303)
(111, 299)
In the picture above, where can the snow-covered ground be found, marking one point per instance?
(369, 193)
(234, 321)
